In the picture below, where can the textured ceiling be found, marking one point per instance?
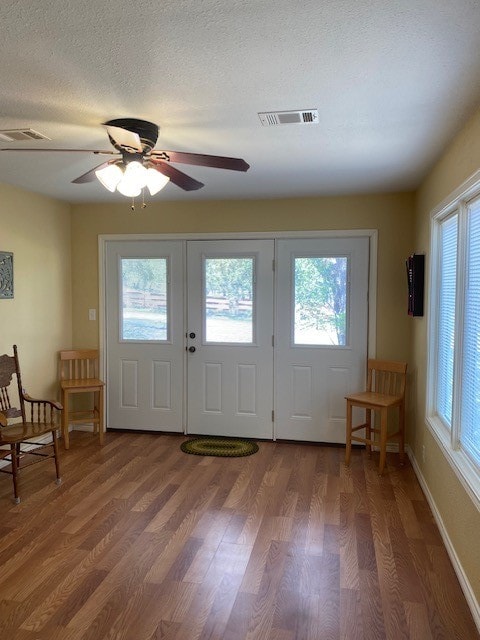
(393, 81)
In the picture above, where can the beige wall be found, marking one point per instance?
(391, 214)
(460, 516)
(38, 319)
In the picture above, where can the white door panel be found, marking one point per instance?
(145, 340)
(230, 373)
(321, 334)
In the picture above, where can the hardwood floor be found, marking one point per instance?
(143, 542)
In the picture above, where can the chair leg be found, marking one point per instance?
(55, 453)
(368, 430)
(13, 449)
(383, 440)
(401, 439)
(66, 436)
(100, 415)
(96, 400)
(348, 434)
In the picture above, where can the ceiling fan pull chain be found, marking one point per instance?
(144, 204)
(133, 204)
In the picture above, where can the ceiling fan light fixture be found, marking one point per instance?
(110, 176)
(128, 188)
(156, 181)
(136, 173)
(133, 180)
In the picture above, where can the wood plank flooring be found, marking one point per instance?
(143, 542)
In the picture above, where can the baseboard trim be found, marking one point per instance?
(461, 575)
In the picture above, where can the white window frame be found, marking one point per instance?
(465, 468)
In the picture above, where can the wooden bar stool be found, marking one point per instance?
(386, 383)
(79, 374)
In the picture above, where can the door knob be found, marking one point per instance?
(191, 335)
(192, 349)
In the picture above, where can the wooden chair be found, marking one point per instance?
(386, 383)
(79, 374)
(41, 418)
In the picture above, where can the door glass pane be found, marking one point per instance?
(320, 300)
(228, 300)
(144, 299)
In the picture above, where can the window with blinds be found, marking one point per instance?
(470, 398)
(446, 317)
(454, 375)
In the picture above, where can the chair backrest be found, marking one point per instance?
(79, 365)
(387, 377)
(9, 367)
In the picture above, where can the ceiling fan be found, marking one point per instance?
(136, 164)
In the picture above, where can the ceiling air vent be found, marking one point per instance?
(20, 135)
(305, 116)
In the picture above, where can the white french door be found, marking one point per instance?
(230, 329)
(321, 334)
(195, 342)
(144, 335)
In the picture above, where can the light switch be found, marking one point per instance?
(92, 314)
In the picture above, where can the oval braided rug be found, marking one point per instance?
(218, 446)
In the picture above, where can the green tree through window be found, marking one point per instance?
(231, 278)
(144, 299)
(321, 297)
(145, 274)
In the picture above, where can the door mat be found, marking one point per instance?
(218, 446)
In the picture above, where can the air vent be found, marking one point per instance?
(20, 135)
(305, 116)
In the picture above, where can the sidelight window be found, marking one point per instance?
(320, 300)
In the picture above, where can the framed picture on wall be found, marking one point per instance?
(6, 274)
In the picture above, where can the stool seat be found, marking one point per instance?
(82, 384)
(367, 398)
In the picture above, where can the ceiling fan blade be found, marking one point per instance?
(179, 178)
(218, 162)
(124, 138)
(90, 175)
(109, 153)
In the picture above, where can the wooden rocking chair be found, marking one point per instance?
(34, 419)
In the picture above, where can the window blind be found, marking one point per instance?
(470, 411)
(446, 317)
